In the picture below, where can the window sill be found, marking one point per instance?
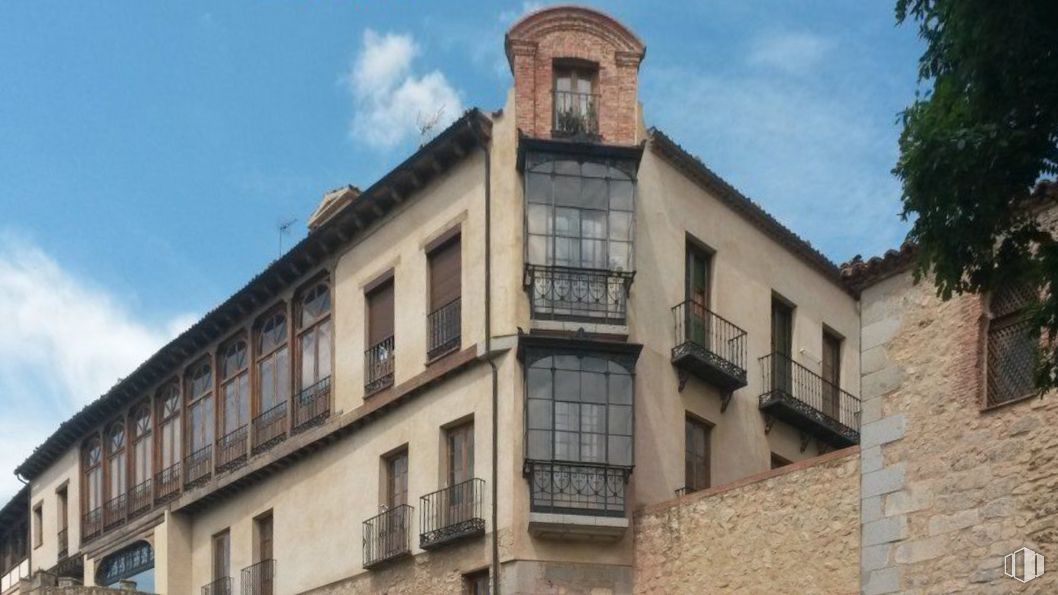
(997, 406)
(577, 527)
(443, 355)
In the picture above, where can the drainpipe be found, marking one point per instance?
(494, 571)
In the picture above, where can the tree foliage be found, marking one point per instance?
(975, 146)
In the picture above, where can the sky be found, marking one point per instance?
(149, 151)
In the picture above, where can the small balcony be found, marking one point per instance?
(231, 449)
(168, 481)
(807, 401)
(443, 327)
(387, 536)
(114, 511)
(92, 524)
(199, 466)
(577, 500)
(259, 579)
(451, 514)
(221, 586)
(141, 498)
(709, 347)
(313, 405)
(578, 295)
(378, 366)
(576, 115)
(269, 428)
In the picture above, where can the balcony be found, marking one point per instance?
(269, 428)
(443, 327)
(576, 115)
(387, 536)
(221, 586)
(231, 449)
(92, 524)
(451, 514)
(709, 347)
(114, 511)
(64, 543)
(168, 481)
(312, 405)
(577, 500)
(199, 466)
(805, 400)
(378, 366)
(140, 498)
(578, 295)
(259, 579)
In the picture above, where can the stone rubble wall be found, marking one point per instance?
(790, 530)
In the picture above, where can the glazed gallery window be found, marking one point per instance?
(579, 214)
(1012, 346)
(141, 445)
(200, 406)
(93, 473)
(579, 407)
(314, 336)
(273, 362)
(235, 386)
(169, 425)
(116, 464)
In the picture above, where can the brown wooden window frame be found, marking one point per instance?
(168, 420)
(141, 425)
(444, 306)
(696, 483)
(998, 319)
(379, 364)
(220, 555)
(277, 355)
(116, 439)
(313, 327)
(92, 464)
(203, 398)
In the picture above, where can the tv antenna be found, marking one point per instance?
(427, 124)
(283, 227)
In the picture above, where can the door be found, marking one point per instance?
(696, 455)
(221, 558)
(782, 346)
(394, 528)
(831, 375)
(697, 323)
(263, 577)
(460, 470)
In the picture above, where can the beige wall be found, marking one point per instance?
(796, 530)
(43, 490)
(949, 489)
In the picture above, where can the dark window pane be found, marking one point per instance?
(593, 193)
(620, 420)
(593, 387)
(567, 191)
(567, 167)
(621, 195)
(620, 449)
(539, 382)
(567, 417)
(540, 444)
(620, 389)
(567, 385)
(538, 188)
(539, 414)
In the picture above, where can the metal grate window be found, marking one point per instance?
(1012, 346)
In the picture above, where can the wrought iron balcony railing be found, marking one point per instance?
(259, 579)
(443, 329)
(92, 523)
(581, 295)
(312, 405)
(451, 513)
(64, 542)
(270, 427)
(387, 535)
(168, 481)
(709, 346)
(141, 498)
(577, 488)
(231, 449)
(806, 400)
(199, 465)
(221, 586)
(378, 366)
(114, 510)
(576, 114)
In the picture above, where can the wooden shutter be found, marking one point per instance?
(831, 374)
(380, 313)
(445, 274)
(397, 488)
(460, 454)
(696, 455)
(264, 538)
(221, 555)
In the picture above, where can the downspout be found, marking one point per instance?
(494, 571)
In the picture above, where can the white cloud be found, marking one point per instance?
(793, 53)
(390, 100)
(64, 343)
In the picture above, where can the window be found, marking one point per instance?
(831, 369)
(778, 461)
(235, 386)
(314, 335)
(378, 359)
(460, 443)
(38, 525)
(63, 521)
(273, 363)
(200, 427)
(263, 531)
(396, 489)
(579, 407)
(93, 471)
(116, 462)
(221, 555)
(141, 445)
(1012, 345)
(477, 583)
(696, 454)
(781, 345)
(579, 214)
(169, 425)
(576, 104)
(697, 288)
(443, 320)
(260, 576)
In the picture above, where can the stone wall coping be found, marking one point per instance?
(745, 481)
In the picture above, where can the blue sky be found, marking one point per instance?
(149, 150)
